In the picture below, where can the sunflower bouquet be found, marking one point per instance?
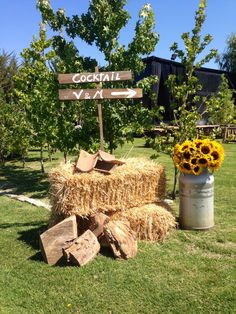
(192, 157)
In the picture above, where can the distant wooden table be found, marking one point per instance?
(229, 134)
(207, 129)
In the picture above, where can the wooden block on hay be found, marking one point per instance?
(139, 181)
(151, 222)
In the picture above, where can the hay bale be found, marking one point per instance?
(151, 222)
(139, 181)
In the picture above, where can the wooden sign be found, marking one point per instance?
(89, 94)
(94, 77)
(98, 93)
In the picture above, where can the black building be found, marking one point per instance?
(210, 80)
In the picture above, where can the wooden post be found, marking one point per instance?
(99, 85)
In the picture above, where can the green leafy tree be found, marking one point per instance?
(12, 117)
(220, 108)
(227, 60)
(101, 26)
(35, 89)
(184, 89)
(8, 68)
(72, 129)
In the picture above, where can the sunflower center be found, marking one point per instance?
(194, 161)
(187, 155)
(215, 155)
(205, 150)
(186, 166)
(202, 161)
(197, 170)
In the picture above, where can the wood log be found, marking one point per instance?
(97, 223)
(122, 239)
(83, 250)
(54, 239)
(103, 241)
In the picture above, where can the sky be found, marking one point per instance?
(19, 21)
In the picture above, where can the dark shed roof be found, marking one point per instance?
(210, 80)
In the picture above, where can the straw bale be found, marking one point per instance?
(139, 181)
(151, 222)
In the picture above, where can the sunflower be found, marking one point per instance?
(187, 154)
(217, 151)
(205, 148)
(198, 143)
(197, 170)
(192, 156)
(202, 161)
(214, 166)
(186, 167)
(193, 161)
(177, 149)
(215, 155)
(185, 146)
(176, 159)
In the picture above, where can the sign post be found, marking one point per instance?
(99, 85)
(99, 93)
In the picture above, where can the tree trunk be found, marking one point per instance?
(23, 161)
(65, 157)
(41, 160)
(110, 147)
(173, 194)
(49, 153)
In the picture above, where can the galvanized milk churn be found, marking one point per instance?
(196, 208)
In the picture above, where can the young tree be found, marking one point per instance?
(227, 60)
(220, 108)
(35, 89)
(8, 68)
(12, 118)
(184, 89)
(101, 26)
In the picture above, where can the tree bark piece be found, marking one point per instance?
(54, 239)
(97, 223)
(83, 250)
(122, 239)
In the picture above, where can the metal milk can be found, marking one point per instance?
(196, 208)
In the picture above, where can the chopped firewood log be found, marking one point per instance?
(122, 239)
(97, 223)
(54, 239)
(103, 241)
(83, 250)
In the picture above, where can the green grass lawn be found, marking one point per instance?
(191, 272)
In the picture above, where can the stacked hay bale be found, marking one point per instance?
(133, 191)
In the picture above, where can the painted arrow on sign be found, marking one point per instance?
(86, 94)
(130, 93)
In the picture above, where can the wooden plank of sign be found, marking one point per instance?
(89, 94)
(94, 77)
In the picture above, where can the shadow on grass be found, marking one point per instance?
(107, 252)
(24, 181)
(31, 238)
